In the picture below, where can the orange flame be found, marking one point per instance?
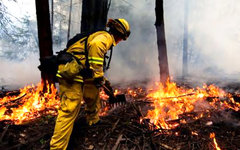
(212, 136)
(30, 104)
(171, 101)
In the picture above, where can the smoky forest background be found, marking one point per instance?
(202, 35)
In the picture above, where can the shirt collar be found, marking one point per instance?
(114, 42)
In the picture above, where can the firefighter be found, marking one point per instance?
(74, 87)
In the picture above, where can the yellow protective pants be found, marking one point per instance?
(71, 96)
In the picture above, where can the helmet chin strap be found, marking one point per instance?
(117, 38)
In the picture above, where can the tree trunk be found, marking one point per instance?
(161, 42)
(52, 13)
(69, 19)
(94, 15)
(185, 42)
(44, 35)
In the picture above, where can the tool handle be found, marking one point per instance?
(108, 92)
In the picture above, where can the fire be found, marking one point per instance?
(212, 136)
(171, 101)
(30, 104)
(194, 133)
(105, 97)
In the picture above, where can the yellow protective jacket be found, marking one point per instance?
(98, 44)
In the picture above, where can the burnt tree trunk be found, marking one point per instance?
(185, 42)
(44, 35)
(161, 42)
(52, 13)
(69, 19)
(94, 15)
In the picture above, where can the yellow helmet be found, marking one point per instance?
(121, 26)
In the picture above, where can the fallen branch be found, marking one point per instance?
(117, 142)
(13, 100)
(4, 132)
(189, 94)
(166, 146)
(114, 126)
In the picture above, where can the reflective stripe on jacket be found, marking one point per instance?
(97, 45)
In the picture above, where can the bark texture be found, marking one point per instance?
(94, 15)
(44, 35)
(69, 19)
(161, 42)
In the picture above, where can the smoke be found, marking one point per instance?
(213, 37)
(16, 74)
(136, 58)
(213, 41)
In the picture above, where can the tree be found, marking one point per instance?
(60, 23)
(185, 42)
(44, 35)
(161, 42)
(94, 15)
(52, 12)
(16, 35)
(69, 19)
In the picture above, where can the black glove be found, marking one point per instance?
(99, 82)
(109, 91)
(86, 73)
(108, 85)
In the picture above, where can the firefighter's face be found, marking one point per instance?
(118, 39)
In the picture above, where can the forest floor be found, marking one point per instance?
(121, 128)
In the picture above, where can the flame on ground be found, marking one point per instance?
(30, 104)
(170, 102)
(212, 136)
(33, 103)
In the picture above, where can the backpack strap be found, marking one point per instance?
(76, 38)
(82, 35)
(86, 54)
(64, 57)
(78, 53)
(78, 61)
(107, 65)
